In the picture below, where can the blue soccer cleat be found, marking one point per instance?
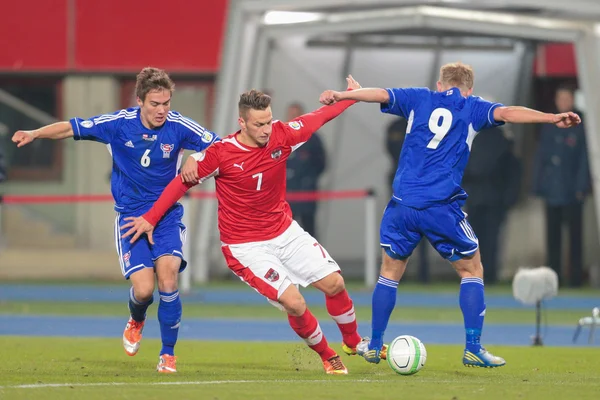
(373, 356)
(483, 359)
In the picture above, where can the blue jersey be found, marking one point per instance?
(144, 160)
(441, 128)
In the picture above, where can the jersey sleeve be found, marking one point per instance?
(208, 166)
(100, 128)
(301, 129)
(196, 137)
(208, 162)
(402, 101)
(482, 114)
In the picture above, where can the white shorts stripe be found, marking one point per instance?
(118, 242)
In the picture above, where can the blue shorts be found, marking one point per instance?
(444, 225)
(169, 237)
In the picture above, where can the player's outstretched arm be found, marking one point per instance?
(368, 95)
(58, 130)
(524, 115)
(137, 226)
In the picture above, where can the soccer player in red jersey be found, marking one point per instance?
(261, 242)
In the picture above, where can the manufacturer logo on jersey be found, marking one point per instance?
(87, 123)
(129, 144)
(240, 166)
(167, 149)
(272, 275)
(276, 154)
(207, 137)
(295, 125)
(150, 138)
(126, 258)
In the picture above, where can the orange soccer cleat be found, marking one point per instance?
(167, 364)
(335, 366)
(132, 336)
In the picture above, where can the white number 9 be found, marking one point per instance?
(439, 130)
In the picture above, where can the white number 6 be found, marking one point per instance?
(439, 130)
(145, 161)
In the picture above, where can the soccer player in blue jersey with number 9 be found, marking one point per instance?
(146, 144)
(427, 196)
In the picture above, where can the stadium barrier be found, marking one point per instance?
(200, 265)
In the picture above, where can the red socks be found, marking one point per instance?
(341, 309)
(307, 327)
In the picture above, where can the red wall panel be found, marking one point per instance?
(178, 35)
(555, 60)
(33, 35)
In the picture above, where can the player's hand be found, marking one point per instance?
(566, 120)
(352, 83)
(137, 227)
(21, 138)
(189, 172)
(329, 97)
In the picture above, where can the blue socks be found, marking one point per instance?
(472, 305)
(384, 300)
(169, 316)
(138, 308)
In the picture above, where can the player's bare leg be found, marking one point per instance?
(169, 310)
(341, 309)
(304, 323)
(383, 303)
(472, 305)
(140, 297)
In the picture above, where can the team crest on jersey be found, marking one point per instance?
(167, 149)
(150, 138)
(87, 123)
(272, 275)
(276, 154)
(126, 258)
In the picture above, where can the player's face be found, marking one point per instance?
(155, 107)
(257, 126)
(564, 101)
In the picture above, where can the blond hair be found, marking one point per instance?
(457, 74)
(150, 79)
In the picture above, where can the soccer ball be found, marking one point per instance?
(406, 355)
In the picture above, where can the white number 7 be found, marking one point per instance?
(259, 183)
(439, 130)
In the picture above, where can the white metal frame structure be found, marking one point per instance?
(246, 49)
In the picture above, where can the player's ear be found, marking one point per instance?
(469, 92)
(439, 86)
(241, 122)
(140, 102)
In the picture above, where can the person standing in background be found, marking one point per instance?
(492, 179)
(562, 179)
(304, 168)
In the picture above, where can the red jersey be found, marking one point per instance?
(250, 181)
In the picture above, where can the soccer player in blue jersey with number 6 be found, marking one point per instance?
(427, 196)
(146, 144)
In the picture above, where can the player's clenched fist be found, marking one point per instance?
(21, 138)
(189, 172)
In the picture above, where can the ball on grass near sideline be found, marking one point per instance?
(406, 355)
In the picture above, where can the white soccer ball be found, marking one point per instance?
(406, 355)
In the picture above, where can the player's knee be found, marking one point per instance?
(143, 291)
(167, 283)
(335, 285)
(294, 305)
